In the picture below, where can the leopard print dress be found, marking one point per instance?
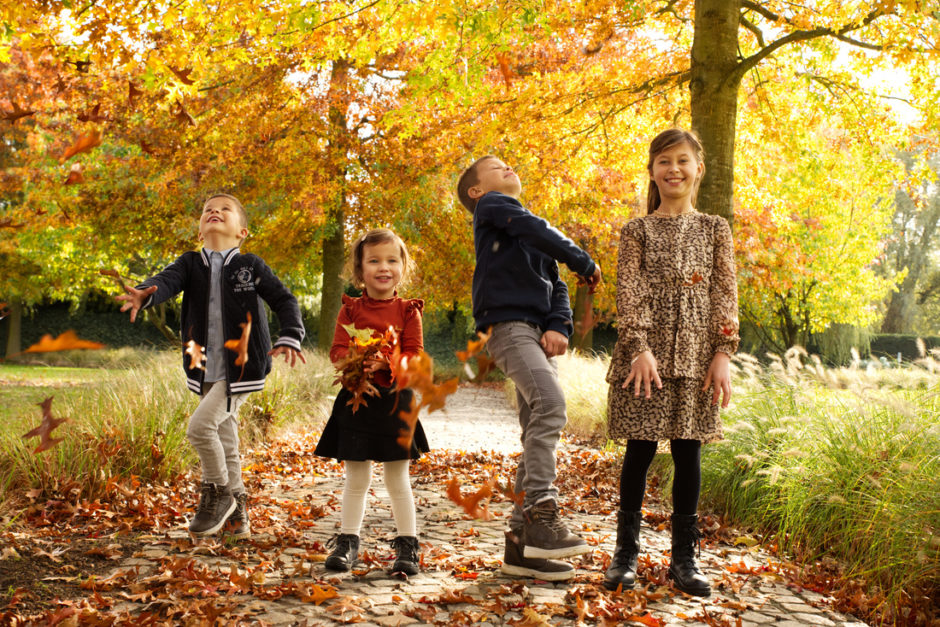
(677, 297)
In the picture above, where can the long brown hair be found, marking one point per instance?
(664, 141)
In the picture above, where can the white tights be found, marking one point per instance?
(398, 484)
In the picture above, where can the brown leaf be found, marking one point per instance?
(116, 276)
(183, 75)
(45, 428)
(133, 93)
(7, 223)
(75, 175)
(64, 342)
(17, 113)
(318, 594)
(4, 310)
(93, 115)
(81, 66)
(182, 115)
(83, 144)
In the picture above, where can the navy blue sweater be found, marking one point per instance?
(516, 275)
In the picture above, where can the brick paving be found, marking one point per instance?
(461, 583)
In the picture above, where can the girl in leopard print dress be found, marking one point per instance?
(677, 329)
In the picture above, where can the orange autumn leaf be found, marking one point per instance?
(647, 619)
(4, 310)
(318, 594)
(45, 428)
(240, 346)
(116, 276)
(64, 342)
(696, 278)
(75, 175)
(83, 144)
(471, 504)
(504, 68)
(474, 351)
(197, 355)
(93, 115)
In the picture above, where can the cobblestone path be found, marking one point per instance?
(461, 583)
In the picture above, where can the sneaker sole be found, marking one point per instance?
(565, 551)
(215, 528)
(521, 571)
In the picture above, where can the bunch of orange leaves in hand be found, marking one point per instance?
(366, 346)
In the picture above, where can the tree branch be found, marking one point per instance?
(753, 28)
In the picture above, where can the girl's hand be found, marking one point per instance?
(374, 364)
(290, 354)
(643, 373)
(719, 377)
(134, 299)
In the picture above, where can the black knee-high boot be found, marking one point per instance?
(622, 571)
(685, 537)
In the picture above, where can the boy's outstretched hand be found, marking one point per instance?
(134, 299)
(719, 377)
(290, 354)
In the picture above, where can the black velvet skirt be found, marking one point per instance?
(371, 433)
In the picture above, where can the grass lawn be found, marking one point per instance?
(23, 387)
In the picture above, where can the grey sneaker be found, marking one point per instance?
(515, 565)
(544, 535)
(216, 503)
(237, 526)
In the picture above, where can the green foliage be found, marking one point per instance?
(890, 344)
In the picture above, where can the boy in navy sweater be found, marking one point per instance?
(518, 292)
(223, 290)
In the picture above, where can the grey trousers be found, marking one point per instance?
(514, 347)
(213, 432)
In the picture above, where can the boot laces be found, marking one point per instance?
(208, 498)
(341, 542)
(547, 514)
(405, 548)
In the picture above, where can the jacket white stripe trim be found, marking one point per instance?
(194, 385)
(288, 341)
(243, 385)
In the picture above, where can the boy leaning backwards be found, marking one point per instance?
(518, 292)
(222, 290)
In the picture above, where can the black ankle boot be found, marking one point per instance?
(345, 551)
(685, 537)
(622, 571)
(406, 555)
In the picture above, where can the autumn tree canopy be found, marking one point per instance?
(326, 119)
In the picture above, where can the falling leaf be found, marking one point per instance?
(116, 276)
(240, 346)
(75, 175)
(504, 68)
(81, 66)
(4, 310)
(64, 342)
(696, 278)
(7, 223)
(197, 355)
(183, 75)
(17, 113)
(45, 428)
(83, 144)
(474, 350)
(93, 115)
(471, 504)
(182, 115)
(133, 93)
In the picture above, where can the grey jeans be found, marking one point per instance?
(515, 348)
(213, 432)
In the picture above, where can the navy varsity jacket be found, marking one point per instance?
(516, 274)
(246, 282)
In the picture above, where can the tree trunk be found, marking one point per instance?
(333, 240)
(583, 338)
(714, 84)
(14, 326)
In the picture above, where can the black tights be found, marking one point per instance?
(686, 484)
